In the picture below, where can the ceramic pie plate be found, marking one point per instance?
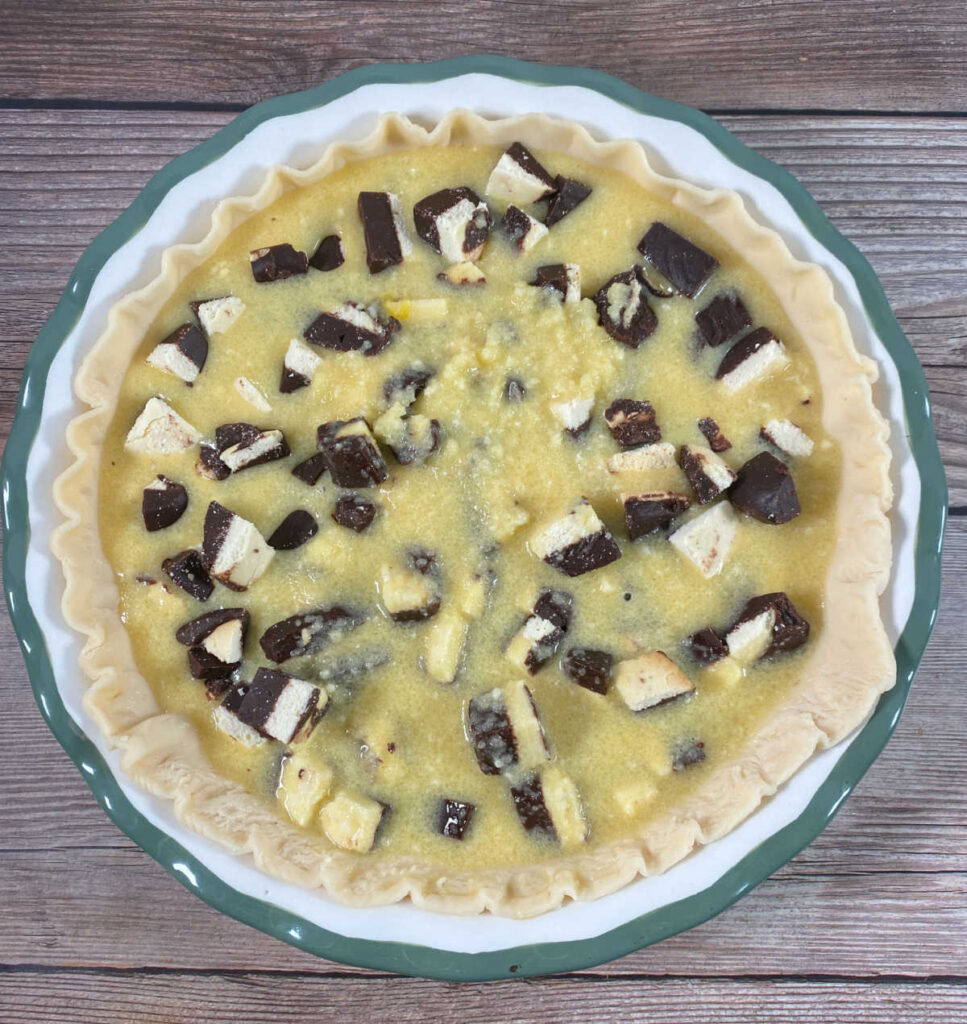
(176, 207)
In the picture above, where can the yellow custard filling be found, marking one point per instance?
(395, 733)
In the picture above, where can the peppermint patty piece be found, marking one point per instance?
(453, 818)
(352, 328)
(328, 255)
(453, 222)
(576, 543)
(195, 632)
(563, 278)
(521, 229)
(707, 647)
(277, 262)
(753, 358)
(678, 259)
(310, 470)
(707, 473)
(541, 633)
(254, 449)
(632, 422)
(568, 197)
(159, 430)
(765, 490)
(296, 529)
(298, 367)
(652, 510)
(384, 230)
(650, 680)
(308, 632)
(281, 707)
(505, 730)
(717, 441)
(182, 353)
(354, 511)
(351, 453)
(187, 570)
(519, 177)
(786, 628)
(219, 314)
(623, 309)
(589, 668)
(163, 503)
(722, 319)
(234, 551)
(528, 797)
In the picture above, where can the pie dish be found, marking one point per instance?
(454, 720)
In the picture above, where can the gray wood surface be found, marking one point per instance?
(869, 922)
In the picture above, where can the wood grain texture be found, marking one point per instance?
(854, 54)
(867, 923)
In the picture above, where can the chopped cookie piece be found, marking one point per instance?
(453, 222)
(519, 177)
(682, 262)
(788, 438)
(708, 475)
(765, 490)
(453, 818)
(159, 430)
(461, 274)
(252, 394)
(707, 647)
(187, 571)
(574, 415)
(351, 328)
(568, 197)
(351, 822)
(281, 707)
(296, 529)
(576, 543)
(308, 632)
(623, 309)
(226, 719)
(255, 450)
(563, 278)
(328, 255)
(650, 680)
(411, 438)
(221, 633)
(384, 230)
(632, 422)
(216, 316)
(505, 730)
(687, 754)
(528, 797)
(563, 803)
(755, 357)
(444, 646)
(641, 460)
(277, 262)
(411, 593)
(722, 319)
(652, 510)
(234, 551)
(515, 390)
(588, 668)
(522, 229)
(351, 453)
(298, 367)
(163, 503)
(541, 634)
(303, 785)
(769, 624)
(706, 540)
(310, 470)
(717, 441)
(354, 511)
(182, 353)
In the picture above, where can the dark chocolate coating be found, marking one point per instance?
(162, 508)
(687, 754)
(328, 255)
(192, 633)
(588, 668)
(212, 462)
(790, 631)
(529, 803)
(230, 434)
(354, 511)
(632, 422)
(383, 249)
(744, 348)
(332, 332)
(310, 470)
(292, 380)
(298, 527)
(591, 552)
(515, 390)
(307, 632)
(678, 259)
(645, 515)
(642, 322)
(204, 665)
(354, 460)
(187, 570)
(707, 647)
(491, 735)
(277, 262)
(717, 441)
(722, 319)
(453, 818)
(415, 377)
(569, 195)
(765, 490)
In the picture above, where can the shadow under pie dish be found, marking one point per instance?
(491, 520)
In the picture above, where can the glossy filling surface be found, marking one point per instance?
(446, 585)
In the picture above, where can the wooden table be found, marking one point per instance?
(867, 104)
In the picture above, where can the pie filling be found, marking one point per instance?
(471, 504)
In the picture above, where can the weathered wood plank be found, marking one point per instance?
(94, 998)
(793, 55)
(881, 891)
